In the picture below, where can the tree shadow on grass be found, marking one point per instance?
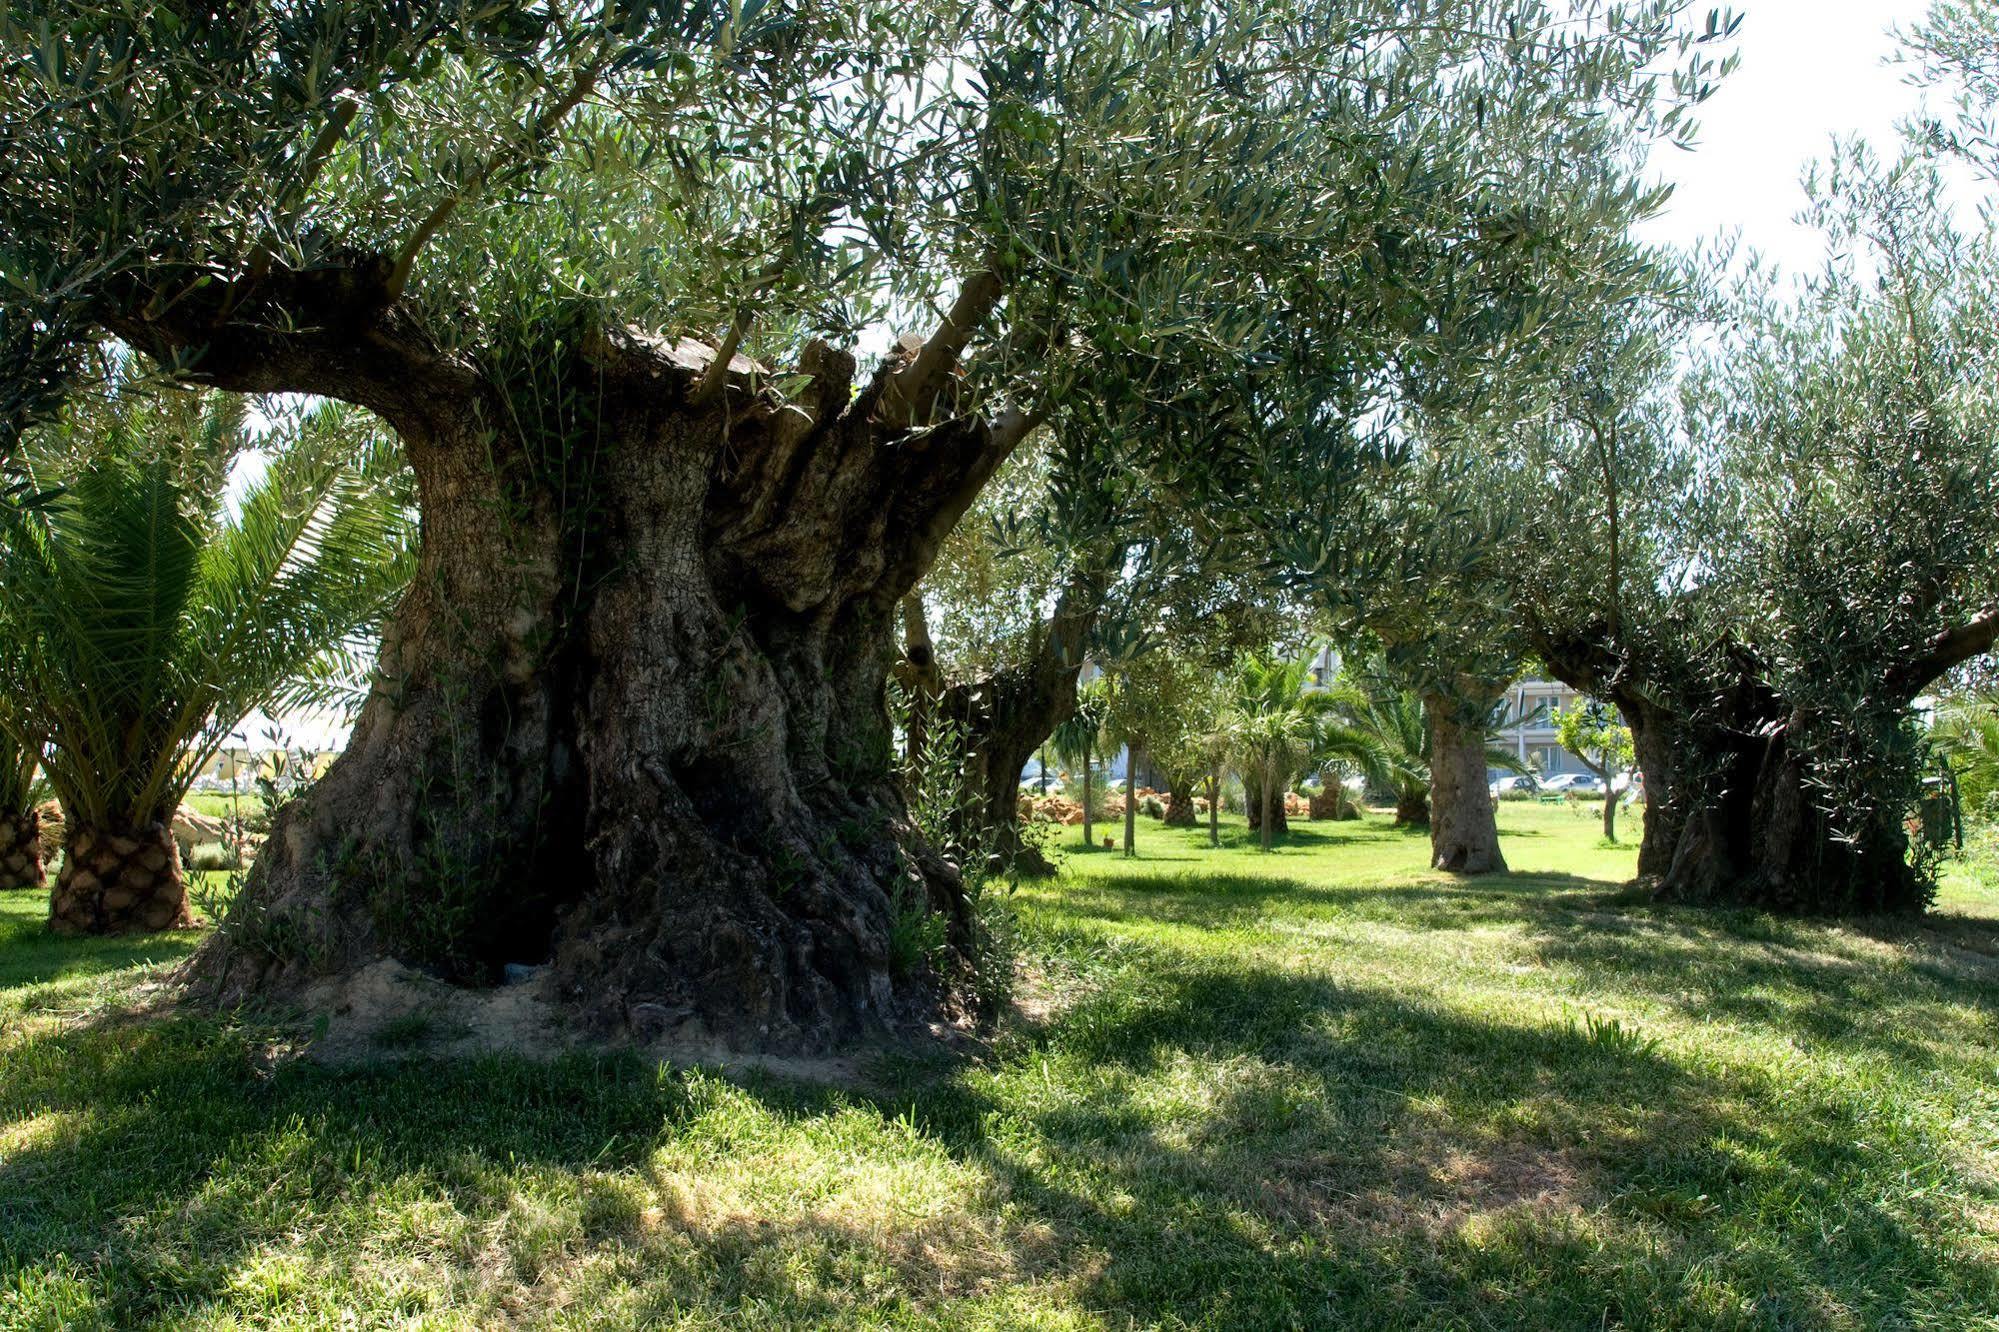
(1923, 992)
(1205, 1144)
(1919, 995)
(171, 1172)
(1246, 1148)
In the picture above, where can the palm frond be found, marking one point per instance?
(152, 622)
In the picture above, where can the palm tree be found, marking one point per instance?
(1383, 729)
(1078, 737)
(151, 620)
(20, 826)
(1967, 730)
(1274, 727)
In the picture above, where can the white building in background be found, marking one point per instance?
(1531, 708)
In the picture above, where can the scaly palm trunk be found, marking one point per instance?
(118, 881)
(1269, 780)
(1130, 803)
(1089, 823)
(1215, 807)
(1256, 808)
(21, 850)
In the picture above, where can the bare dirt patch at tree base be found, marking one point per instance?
(388, 1011)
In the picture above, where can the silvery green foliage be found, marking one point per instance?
(1217, 189)
(1849, 442)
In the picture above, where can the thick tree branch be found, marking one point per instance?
(323, 332)
(1013, 425)
(1950, 648)
(910, 390)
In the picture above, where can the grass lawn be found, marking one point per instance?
(217, 805)
(1322, 1088)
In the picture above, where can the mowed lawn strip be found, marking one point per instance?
(1323, 1087)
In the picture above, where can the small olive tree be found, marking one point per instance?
(1592, 732)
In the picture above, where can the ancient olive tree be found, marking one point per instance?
(1399, 498)
(591, 265)
(1075, 555)
(1593, 575)
(1823, 558)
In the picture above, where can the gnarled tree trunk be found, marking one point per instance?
(1731, 813)
(1464, 834)
(21, 850)
(1758, 835)
(1004, 719)
(118, 881)
(630, 717)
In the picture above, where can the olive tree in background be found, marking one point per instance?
(1811, 517)
(1591, 731)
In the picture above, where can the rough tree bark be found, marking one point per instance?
(1412, 808)
(21, 850)
(1464, 834)
(1731, 816)
(1180, 812)
(630, 716)
(1662, 736)
(118, 881)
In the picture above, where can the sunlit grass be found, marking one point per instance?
(1322, 1087)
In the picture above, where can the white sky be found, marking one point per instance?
(1811, 70)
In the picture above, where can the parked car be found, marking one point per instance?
(1518, 784)
(1578, 783)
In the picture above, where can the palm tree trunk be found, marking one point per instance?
(1255, 807)
(1130, 803)
(1089, 825)
(1215, 807)
(1180, 803)
(118, 881)
(21, 850)
(1269, 780)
